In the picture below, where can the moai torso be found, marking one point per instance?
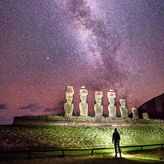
(83, 109)
(68, 109)
(123, 109)
(98, 107)
(68, 105)
(145, 116)
(111, 107)
(83, 105)
(98, 110)
(135, 113)
(112, 111)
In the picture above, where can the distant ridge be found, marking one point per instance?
(6, 121)
(154, 107)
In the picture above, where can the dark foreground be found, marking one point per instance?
(135, 158)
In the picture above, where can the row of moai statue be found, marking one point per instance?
(98, 107)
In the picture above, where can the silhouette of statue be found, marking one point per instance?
(116, 141)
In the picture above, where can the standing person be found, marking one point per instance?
(116, 142)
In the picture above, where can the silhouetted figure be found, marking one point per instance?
(116, 142)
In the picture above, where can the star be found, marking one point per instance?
(102, 44)
(47, 58)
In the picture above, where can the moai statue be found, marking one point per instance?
(145, 116)
(135, 113)
(68, 105)
(83, 105)
(98, 107)
(111, 107)
(123, 109)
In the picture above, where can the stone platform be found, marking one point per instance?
(81, 121)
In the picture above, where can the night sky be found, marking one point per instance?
(46, 45)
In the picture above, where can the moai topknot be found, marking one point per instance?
(83, 105)
(98, 107)
(68, 105)
(123, 109)
(135, 113)
(111, 107)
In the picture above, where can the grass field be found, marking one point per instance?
(77, 136)
(152, 157)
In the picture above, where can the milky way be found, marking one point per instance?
(102, 44)
(99, 44)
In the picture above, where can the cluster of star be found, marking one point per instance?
(47, 45)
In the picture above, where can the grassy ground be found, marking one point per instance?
(135, 158)
(16, 137)
(78, 136)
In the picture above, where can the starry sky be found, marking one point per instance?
(46, 45)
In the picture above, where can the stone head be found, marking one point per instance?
(69, 98)
(98, 97)
(69, 94)
(83, 94)
(111, 97)
(123, 102)
(134, 110)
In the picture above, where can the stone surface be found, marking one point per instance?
(135, 113)
(68, 105)
(123, 109)
(98, 107)
(83, 105)
(111, 107)
(145, 116)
